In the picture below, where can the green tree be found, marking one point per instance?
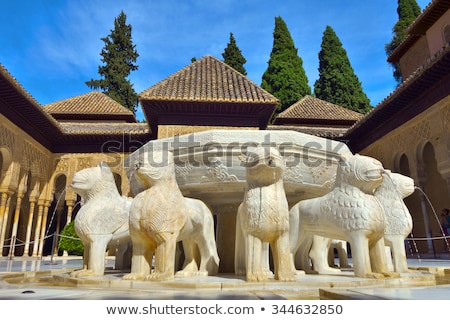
(407, 11)
(69, 240)
(233, 57)
(119, 56)
(337, 81)
(285, 77)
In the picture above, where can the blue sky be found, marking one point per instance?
(52, 47)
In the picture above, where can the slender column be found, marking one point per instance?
(225, 235)
(15, 222)
(3, 200)
(69, 204)
(57, 230)
(37, 229)
(43, 228)
(422, 177)
(5, 223)
(29, 225)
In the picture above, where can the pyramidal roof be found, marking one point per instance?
(208, 79)
(90, 106)
(312, 108)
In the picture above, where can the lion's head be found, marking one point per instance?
(396, 183)
(90, 181)
(363, 172)
(151, 167)
(264, 165)
(404, 184)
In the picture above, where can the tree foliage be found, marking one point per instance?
(285, 77)
(119, 56)
(337, 81)
(233, 57)
(69, 240)
(408, 11)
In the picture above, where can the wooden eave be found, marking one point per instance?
(433, 12)
(93, 117)
(426, 86)
(207, 113)
(102, 142)
(25, 112)
(310, 121)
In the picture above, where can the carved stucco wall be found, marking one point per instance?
(167, 131)
(32, 199)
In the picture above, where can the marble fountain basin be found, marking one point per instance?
(208, 165)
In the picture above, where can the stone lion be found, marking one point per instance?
(160, 217)
(263, 217)
(350, 212)
(399, 224)
(102, 219)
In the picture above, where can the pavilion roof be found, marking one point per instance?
(208, 79)
(90, 106)
(311, 108)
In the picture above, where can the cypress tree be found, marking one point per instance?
(285, 77)
(337, 81)
(119, 56)
(233, 57)
(408, 11)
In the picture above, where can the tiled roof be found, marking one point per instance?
(312, 108)
(323, 132)
(107, 128)
(208, 79)
(91, 105)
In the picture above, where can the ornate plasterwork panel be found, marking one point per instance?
(7, 138)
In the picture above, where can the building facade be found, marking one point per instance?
(409, 130)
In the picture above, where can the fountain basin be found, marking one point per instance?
(208, 167)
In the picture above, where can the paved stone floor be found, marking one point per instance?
(48, 278)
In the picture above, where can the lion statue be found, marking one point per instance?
(350, 212)
(102, 218)
(263, 217)
(161, 216)
(391, 192)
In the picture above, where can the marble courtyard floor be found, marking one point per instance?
(48, 278)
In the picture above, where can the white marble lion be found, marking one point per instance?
(399, 224)
(161, 216)
(350, 212)
(102, 219)
(263, 217)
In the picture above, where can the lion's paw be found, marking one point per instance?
(133, 276)
(374, 275)
(159, 276)
(391, 274)
(257, 277)
(286, 276)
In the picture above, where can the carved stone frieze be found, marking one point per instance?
(218, 173)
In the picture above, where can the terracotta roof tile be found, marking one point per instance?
(208, 79)
(324, 132)
(92, 104)
(312, 108)
(104, 128)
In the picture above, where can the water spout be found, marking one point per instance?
(435, 215)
